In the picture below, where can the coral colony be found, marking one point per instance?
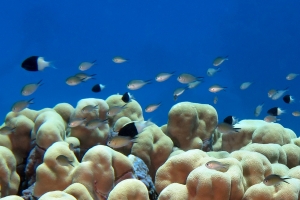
(83, 153)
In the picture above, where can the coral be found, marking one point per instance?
(132, 109)
(130, 189)
(89, 138)
(76, 191)
(153, 147)
(101, 168)
(9, 179)
(19, 141)
(190, 124)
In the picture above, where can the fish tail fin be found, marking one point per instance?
(94, 62)
(93, 75)
(40, 82)
(30, 101)
(173, 72)
(148, 81)
(199, 77)
(226, 57)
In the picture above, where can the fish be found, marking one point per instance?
(30, 88)
(112, 111)
(219, 60)
(127, 97)
(274, 179)
(275, 111)
(279, 93)
(296, 113)
(288, 99)
(137, 84)
(21, 105)
(216, 88)
(76, 122)
(188, 78)
(73, 80)
(98, 88)
(194, 84)
(119, 59)
(227, 128)
(6, 130)
(85, 77)
(95, 123)
(216, 100)
(212, 71)
(64, 161)
(231, 120)
(291, 76)
(271, 118)
(86, 65)
(177, 92)
(134, 128)
(35, 63)
(245, 85)
(152, 107)
(216, 165)
(258, 109)
(120, 141)
(161, 77)
(89, 108)
(271, 93)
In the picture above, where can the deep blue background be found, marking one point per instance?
(261, 39)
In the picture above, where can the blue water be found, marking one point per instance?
(261, 39)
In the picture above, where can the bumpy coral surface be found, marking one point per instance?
(175, 156)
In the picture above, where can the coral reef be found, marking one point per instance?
(167, 162)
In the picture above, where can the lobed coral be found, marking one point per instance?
(174, 156)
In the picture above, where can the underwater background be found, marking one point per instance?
(260, 38)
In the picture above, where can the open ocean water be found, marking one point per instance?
(261, 39)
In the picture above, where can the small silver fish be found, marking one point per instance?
(216, 165)
(194, 84)
(212, 71)
(274, 179)
(95, 123)
(152, 107)
(216, 88)
(279, 94)
(6, 130)
(226, 128)
(296, 113)
(86, 65)
(271, 118)
(119, 59)
(219, 60)
(245, 85)
(163, 76)
(85, 77)
(291, 76)
(21, 105)
(30, 88)
(258, 109)
(73, 80)
(89, 108)
(120, 141)
(115, 110)
(178, 92)
(137, 84)
(186, 78)
(64, 161)
(76, 122)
